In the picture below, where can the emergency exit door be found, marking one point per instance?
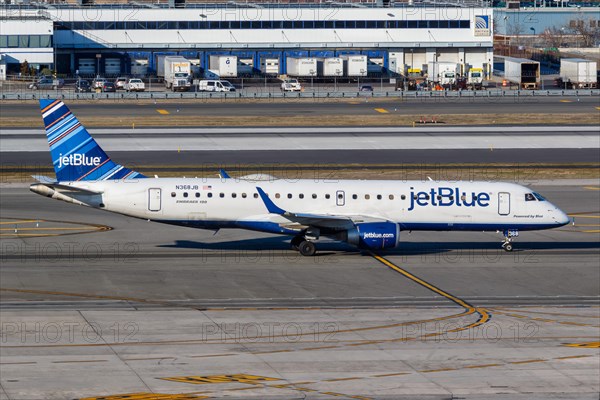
(503, 203)
(154, 199)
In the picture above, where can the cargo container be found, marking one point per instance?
(355, 65)
(578, 73)
(523, 72)
(305, 66)
(330, 66)
(222, 66)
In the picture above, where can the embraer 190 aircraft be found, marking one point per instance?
(367, 214)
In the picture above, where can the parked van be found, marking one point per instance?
(215, 86)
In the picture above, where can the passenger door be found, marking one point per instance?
(503, 203)
(154, 199)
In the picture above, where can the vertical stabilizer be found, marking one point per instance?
(75, 154)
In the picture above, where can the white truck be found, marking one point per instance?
(355, 65)
(222, 66)
(578, 73)
(443, 73)
(330, 66)
(525, 73)
(475, 78)
(304, 66)
(176, 72)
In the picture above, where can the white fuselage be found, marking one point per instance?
(414, 205)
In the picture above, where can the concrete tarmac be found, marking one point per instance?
(145, 308)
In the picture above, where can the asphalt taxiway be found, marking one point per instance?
(201, 147)
(315, 108)
(97, 305)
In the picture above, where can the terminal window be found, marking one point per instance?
(286, 24)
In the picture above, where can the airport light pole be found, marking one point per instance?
(98, 56)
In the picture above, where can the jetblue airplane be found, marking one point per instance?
(366, 213)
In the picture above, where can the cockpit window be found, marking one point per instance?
(529, 197)
(539, 196)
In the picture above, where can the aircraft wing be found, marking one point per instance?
(330, 221)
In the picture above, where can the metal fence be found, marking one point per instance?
(239, 95)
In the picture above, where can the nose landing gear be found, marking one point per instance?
(509, 235)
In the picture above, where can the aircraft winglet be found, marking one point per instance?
(271, 207)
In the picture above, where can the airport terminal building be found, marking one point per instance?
(129, 39)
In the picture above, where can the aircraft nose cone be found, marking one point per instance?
(562, 218)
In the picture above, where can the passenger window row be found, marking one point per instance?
(289, 196)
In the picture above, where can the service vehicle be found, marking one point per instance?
(176, 72)
(213, 85)
(475, 78)
(443, 73)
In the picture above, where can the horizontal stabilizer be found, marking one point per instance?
(43, 179)
(43, 187)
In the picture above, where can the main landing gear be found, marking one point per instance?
(304, 246)
(509, 235)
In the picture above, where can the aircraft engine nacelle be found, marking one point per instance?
(374, 235)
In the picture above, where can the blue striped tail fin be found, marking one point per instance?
(75, 154)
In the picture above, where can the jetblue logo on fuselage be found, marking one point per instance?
(446, 197)
(78, 159)
(375, 235)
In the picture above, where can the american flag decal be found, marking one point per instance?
(207, 187)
